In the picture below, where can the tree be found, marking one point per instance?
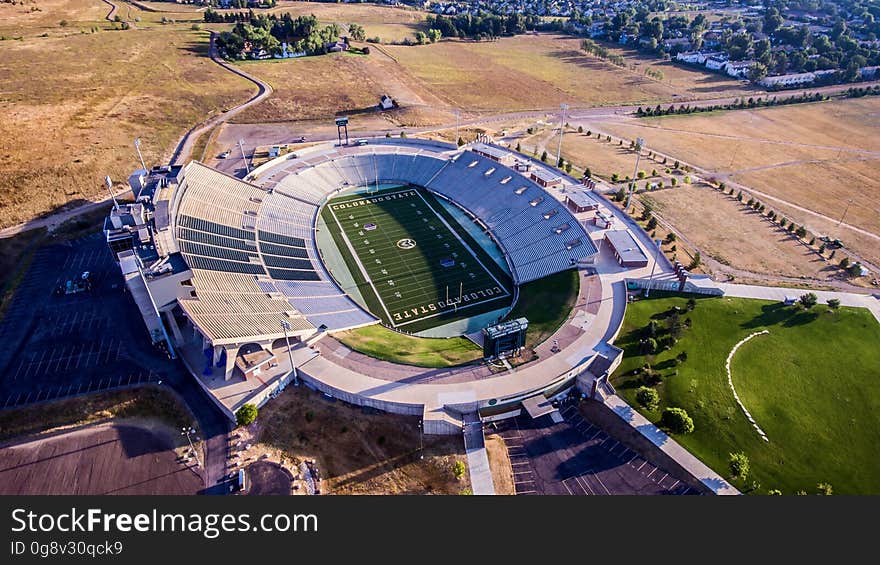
(460, 142)
(677, 420)
(652, 224)
(588, 173)
(738, 465)
(246, 414)
(568, 167)
(844, 263)
(421, 38)
(670, 237)
(648, 397)
(695, 262)
(620, 196)
(518, 147)
(825, 489)
(580, 129)
(833, 303)
(357, 32)
(544, 157)
(808, 300)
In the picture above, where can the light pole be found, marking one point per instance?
(109, 182)
(188, 431)
(285, 326)
(457, 123)
(845, 210)
(421, 445)
(657, 243)
(639, 144)
(241, 147)
(564, 107)
(137, 147)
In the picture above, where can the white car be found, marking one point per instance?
(223, 155)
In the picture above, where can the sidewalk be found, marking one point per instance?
(670, 447)
(779, 293)
(478, 459)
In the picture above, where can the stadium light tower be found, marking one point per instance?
(640, 143)
(285, 326)
(137, 147)
(564, 108)
(241, 147)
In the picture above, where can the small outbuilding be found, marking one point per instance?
(625, 249)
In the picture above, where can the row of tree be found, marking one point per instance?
(740, 104)
(482, 25)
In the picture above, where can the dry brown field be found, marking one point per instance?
(530, 72)
(360, 452)
(72, 104)
(815, 156)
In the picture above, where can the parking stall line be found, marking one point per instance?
(599, 479)
(660, 482)
(595, 435)
(675, 484)
(651, 472)
(642, 465)
(616, 443)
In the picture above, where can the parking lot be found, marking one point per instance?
(576, 457)
(54, 345)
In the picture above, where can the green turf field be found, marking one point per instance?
(812, 384)
(414, 266)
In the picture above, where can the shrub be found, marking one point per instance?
(246, 414)
(833, 303)
(677, 420)
(739, 465)
(808, 300)
(544, 157)
(458, 469)
(774, 492)
(648, 397)
(460, 141)
(844, 263)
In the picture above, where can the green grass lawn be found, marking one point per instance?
(546, 303)
(812, 384)
(380, 342)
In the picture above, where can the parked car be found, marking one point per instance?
(223, 155)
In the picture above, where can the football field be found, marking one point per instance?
(413, 263)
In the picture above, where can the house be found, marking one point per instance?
(336, 46)
(680, 43)
(386, 102)
(692, 57)
(738, 69)
(789, 80)
(716, 62)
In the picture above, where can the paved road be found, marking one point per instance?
(183, 151)
(578, 458)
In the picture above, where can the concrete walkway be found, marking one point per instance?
(478, 458)
(869, 301)
(670, 447)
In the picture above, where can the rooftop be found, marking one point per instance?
(625, 246)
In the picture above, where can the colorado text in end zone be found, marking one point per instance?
(434, 308)
(377, 199)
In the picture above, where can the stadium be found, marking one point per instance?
(244, 278)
